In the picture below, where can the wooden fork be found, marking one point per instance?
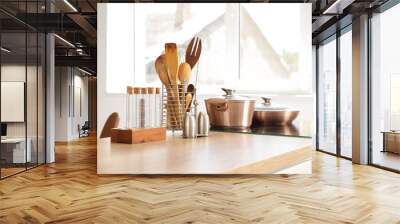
(193, 51)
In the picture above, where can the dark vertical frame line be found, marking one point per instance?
(317, 96)
(338, 95)
(369, 88)
(45, 89)
(37, 89)
(26, 87)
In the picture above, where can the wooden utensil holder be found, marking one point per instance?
(174, 101)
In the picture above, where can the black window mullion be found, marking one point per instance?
(26, 87)
(338, 92)
(317, 96)
(369, 95)
(37, 90)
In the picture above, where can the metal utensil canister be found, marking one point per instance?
(189, 126)
(203, 125)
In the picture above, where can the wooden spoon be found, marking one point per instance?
(161, 70)
(184, 72)
(163, 75)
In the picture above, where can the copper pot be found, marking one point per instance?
(230, 111)
(267, 115)
(277, 117)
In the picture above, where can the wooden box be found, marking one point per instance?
(391, 142)
(137, 135)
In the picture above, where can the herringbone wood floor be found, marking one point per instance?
(69, 191)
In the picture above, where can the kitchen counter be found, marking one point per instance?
(220, 153)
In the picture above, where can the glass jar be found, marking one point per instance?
(150, 110)
(158, 108)
(142, 107)
(134, 111)
(128, 104)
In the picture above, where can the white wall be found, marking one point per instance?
(107, 103)
(68, 81)
(34, 125)
(12, 73)
(62, 81)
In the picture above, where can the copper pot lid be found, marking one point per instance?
(267, 105)
(231, 96)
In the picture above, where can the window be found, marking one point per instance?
(22, 78)
(120, 47)
(327, 96)
(346, 94)
(276, 54)
(157, 24)
(385, 86)
(241, 43)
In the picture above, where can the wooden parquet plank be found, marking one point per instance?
(70, 191)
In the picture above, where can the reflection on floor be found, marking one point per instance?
(387, 159)
(11, 169)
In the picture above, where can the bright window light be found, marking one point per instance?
(120, 47)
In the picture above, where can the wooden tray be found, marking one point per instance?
(137, 135)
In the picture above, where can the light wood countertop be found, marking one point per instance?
(220, 153)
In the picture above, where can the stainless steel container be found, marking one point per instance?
(267, 115)
(230, 111)
(203, 125)
(189, 126)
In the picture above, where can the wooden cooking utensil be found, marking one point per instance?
(184, 72)
(161, 70)
(163, 75)
(192, 91)
(172, 62)
(193, 51)
(188, 101)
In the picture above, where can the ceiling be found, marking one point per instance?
(76, 21)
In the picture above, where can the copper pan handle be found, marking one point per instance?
(222, 107)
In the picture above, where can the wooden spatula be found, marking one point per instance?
(172, 62)
(193, 51)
